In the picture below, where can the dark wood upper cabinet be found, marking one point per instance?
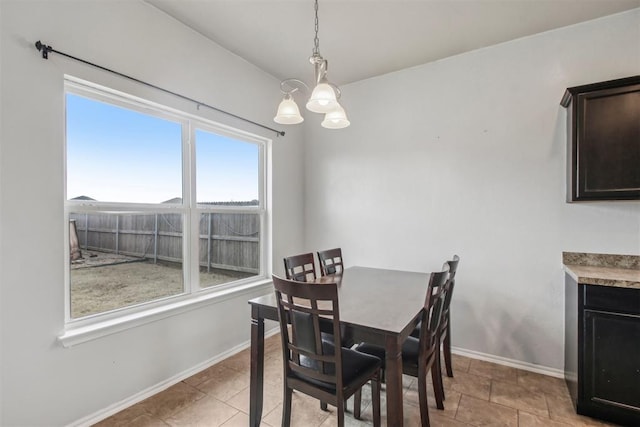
(604, 140)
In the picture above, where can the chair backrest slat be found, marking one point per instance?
(331, 261)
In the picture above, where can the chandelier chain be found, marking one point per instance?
(316, 40)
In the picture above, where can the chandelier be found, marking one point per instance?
(323, 99)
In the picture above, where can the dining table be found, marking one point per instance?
(378, 306)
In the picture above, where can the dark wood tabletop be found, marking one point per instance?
(376, 305)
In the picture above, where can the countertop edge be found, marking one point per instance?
(604, 276)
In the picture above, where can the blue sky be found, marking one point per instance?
(120, 155)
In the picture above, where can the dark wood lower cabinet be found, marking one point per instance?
(602, 351)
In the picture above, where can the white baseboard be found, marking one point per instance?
(138, 397)
(532, 367)
(155, 389)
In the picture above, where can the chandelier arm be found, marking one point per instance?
(337, 89)
(294, 84)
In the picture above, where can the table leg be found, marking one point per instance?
(393, 373)
(257, 368)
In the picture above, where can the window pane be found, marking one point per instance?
(119, 155)
(226, 170)
(119, 260)
(229, 247)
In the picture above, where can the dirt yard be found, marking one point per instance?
(101, 282)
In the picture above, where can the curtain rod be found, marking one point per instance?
(47, 49)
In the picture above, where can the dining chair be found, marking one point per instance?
(331, 261)
(300, 268)
(444, 330)
(314, 366)
(419, 354)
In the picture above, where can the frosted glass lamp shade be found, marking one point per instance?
(288, 112)
(336, 119)
(323, 99)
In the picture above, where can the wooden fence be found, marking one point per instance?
(229, 241)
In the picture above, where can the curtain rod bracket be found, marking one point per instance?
(44, 49)
(45, 55)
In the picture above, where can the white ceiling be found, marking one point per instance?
(366, 38)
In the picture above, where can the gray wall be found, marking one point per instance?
(463, 155)
(467, 155)
(43, 383)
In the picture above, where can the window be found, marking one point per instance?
(161, 205)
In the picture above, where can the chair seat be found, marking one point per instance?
(410, 351)
(346, 342)
(354, 365)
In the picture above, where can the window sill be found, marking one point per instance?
(80, 334)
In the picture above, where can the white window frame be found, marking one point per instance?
(100, 324)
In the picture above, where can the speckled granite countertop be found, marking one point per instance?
(603, 269)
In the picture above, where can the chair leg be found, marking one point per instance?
(447, 351)
(323, 406)
(357, 404)
(438, 388)
(438, 367)
(340, 411)
(375, 401)
(422, 396)
(286, 407)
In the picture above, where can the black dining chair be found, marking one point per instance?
(331, 261)
(314, 366)
(419, 354)
(300, 268)
(444, 330)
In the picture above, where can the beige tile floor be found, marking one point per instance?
(480, 394)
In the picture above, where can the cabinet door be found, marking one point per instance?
(608, 143)
(612, 363)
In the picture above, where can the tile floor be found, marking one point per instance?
(480, 394)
